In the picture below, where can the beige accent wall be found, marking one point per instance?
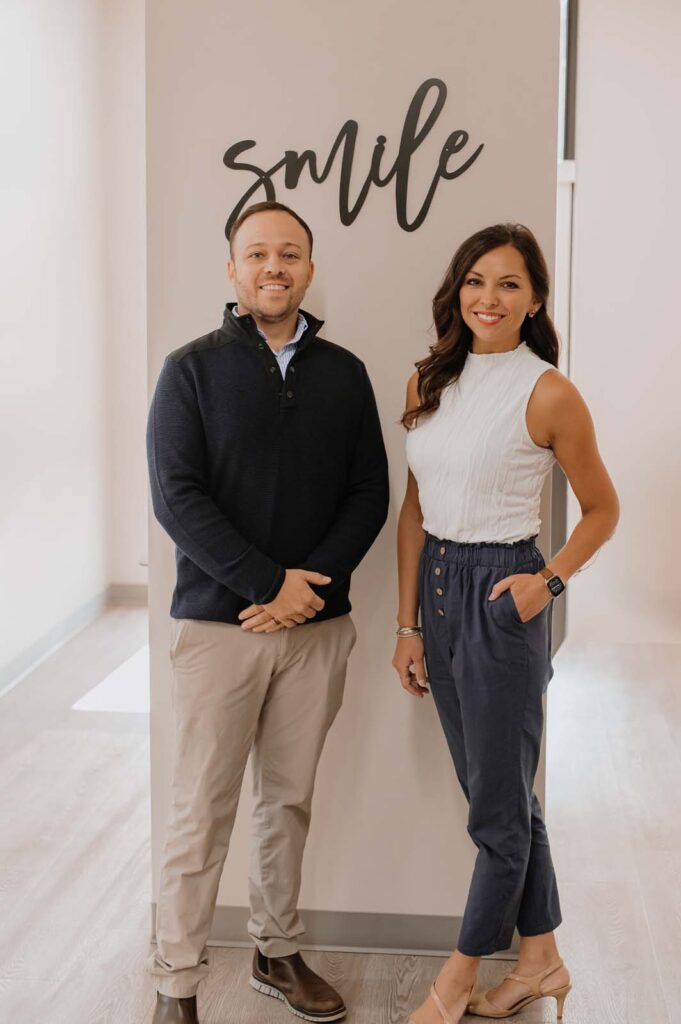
(388, 832)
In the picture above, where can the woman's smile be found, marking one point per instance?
(489, 319)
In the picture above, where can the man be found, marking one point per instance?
(268, 470)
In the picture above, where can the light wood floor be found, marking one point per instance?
(74, 842)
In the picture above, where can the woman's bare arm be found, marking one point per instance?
(558, 418)
(409, 659)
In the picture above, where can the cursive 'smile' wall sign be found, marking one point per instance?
(293, 163)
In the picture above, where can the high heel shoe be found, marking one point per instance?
(440, 1006)
(482, 1007)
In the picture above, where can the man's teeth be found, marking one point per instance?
(273, 287)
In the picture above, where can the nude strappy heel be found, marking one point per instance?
(440, 1006)
(482, 1007)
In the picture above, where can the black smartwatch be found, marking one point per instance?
(553, 582)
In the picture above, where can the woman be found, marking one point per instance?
(488, 415)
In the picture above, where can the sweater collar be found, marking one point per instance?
(244, 328)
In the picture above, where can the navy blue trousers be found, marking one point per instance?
(488, 671)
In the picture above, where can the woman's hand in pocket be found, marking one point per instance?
(529, 593)
(409, 664)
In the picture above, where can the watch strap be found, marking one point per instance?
(554, 583)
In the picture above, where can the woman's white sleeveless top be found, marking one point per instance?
(479, 472)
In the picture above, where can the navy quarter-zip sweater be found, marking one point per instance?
(252, 474)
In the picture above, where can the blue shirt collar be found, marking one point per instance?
(301, 327)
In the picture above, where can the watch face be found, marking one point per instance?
(555, 585)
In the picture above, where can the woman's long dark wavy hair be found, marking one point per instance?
(454, 337)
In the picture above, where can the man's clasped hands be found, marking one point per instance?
(295, 602)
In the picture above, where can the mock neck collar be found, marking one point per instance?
(244, 327)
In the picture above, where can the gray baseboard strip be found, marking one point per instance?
(418, 934)
(16, 669)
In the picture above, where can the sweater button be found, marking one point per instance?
(438, 571)
(272, 369)
(442, 550)
(292, 369)
(261, 344)
(439, 591)
(289, 394)
(440, 612)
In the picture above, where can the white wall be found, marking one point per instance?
(388, 832)
(125, 218)
(626, 340)
(53, 544)
(72, 315)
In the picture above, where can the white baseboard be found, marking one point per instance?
(116, 593)
(16, 669)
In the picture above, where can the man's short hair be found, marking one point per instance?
(260, 208)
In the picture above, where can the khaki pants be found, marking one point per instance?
(277, 695)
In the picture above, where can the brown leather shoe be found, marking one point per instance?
(302, 991)
(175, 1011)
